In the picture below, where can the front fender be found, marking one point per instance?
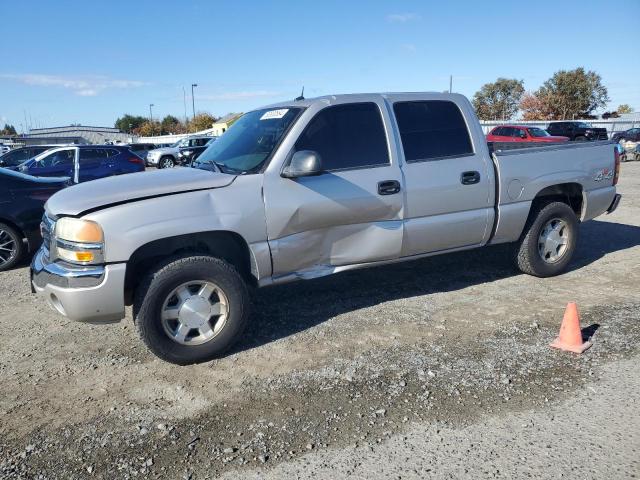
(237, 208)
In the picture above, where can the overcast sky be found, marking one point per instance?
(89, 62)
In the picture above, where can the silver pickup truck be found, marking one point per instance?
(304, 189)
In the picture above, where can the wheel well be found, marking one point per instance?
(228, 246)
(569, 193)
(14, 226)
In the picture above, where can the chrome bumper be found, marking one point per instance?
(84, 294)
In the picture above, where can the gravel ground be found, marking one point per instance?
(439, 367)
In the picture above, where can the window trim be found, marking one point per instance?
(442, 157)
(345, 169)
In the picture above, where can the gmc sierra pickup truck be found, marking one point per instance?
(303, 189)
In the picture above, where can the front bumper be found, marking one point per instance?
(83, 294)
(151, 161)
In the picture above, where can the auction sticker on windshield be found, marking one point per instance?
(274, 114)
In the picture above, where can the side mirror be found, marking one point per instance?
(523, 135)
(303, 164)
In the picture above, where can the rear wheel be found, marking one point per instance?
(191, 309)
(11, 247)
(549, 240)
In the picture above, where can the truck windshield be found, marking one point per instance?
(538, 132)
(249, 142)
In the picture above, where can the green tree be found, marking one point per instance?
(624, 108)
(573, 93)
(202, 121)
(171, 125)
(129, 123)
(499, 99)
(148, 129)
(8, 130)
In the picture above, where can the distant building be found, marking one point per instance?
(79, 134)
(221, 126)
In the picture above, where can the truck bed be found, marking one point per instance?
(522, 173)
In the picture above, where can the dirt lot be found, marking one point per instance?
(439, 368)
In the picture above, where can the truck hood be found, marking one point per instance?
(134, 186)
(163, 150)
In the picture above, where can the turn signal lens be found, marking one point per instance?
(77, 230)
(73, 256)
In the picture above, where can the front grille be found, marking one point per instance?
(46, 230)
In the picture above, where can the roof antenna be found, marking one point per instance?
(301, 97)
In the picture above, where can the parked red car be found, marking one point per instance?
(521, 133)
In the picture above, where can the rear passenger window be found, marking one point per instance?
(432, 130)
(347, 136)
(88, 154)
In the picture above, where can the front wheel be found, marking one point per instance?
(11, 247)
(549, 240)
(191, 309)
(166, 162)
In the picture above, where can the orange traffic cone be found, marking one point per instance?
(570, 338)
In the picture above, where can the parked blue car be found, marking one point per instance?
(83, 162)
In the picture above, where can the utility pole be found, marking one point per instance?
(193, 100)
(151, 117)
(450, 83)
(184, 101)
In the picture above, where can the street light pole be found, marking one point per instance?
(151, 117)
(193, 100)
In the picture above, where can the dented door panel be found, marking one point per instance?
(333, 219)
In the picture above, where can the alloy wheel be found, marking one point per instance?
(553, 240)
(195, 312)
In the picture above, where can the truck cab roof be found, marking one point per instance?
(361, 97)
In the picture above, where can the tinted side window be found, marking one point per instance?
(108, 152)
(432, 129)
(497, 132)
(16, 157)
(88, 154)
(63, 157)
(347, 136)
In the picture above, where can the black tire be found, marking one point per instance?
(157, 286)
(10, 238)
(581, 139)
(528, 258)
(166, 162)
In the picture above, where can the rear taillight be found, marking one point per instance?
(616, 174)
(137, 160)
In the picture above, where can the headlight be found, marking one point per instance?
(79, 241)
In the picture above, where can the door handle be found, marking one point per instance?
(388, 187)
(469, 178)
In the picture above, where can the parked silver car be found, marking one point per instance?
(304, 189)
(169, 157)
